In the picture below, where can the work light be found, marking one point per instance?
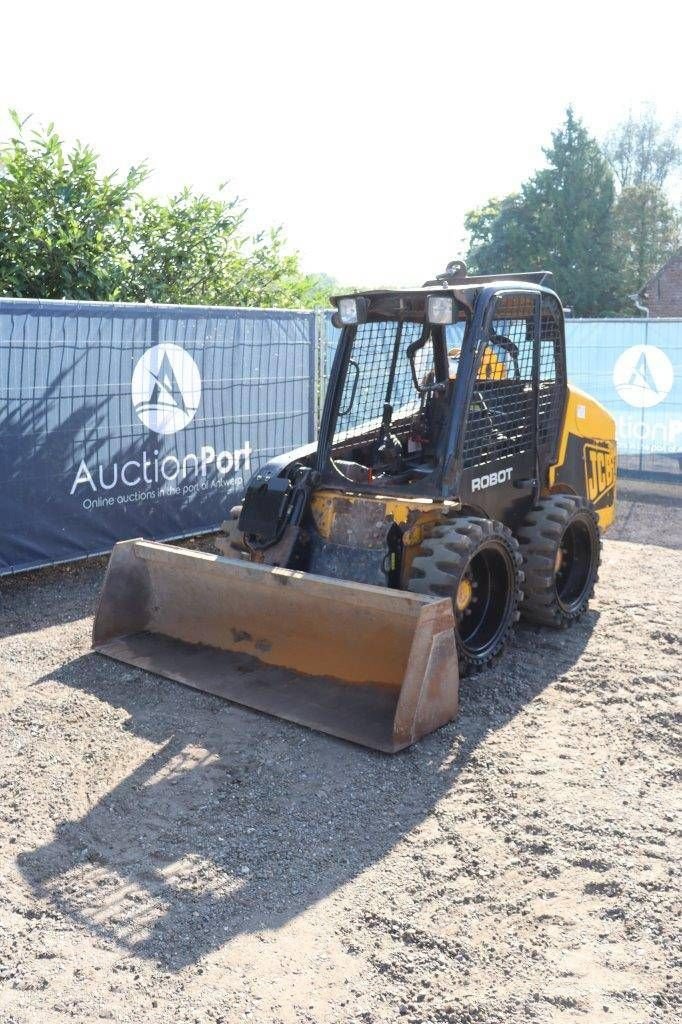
(351, 310)
(348, 311)
(440, 309)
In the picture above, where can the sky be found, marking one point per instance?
(366, 129)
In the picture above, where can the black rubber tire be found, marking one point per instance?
(559, 596)
(485, 552)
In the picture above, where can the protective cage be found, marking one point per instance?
(378, 372)
(521, 363)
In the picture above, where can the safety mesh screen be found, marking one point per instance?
(378, 374)
(500, 418)
(551, 376)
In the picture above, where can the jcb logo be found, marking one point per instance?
(600, 470)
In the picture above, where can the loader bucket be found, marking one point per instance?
(368, 664)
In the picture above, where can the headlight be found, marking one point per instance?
(351, 310)
(440, 309)
(348, 311)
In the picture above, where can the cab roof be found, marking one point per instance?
(464, 287)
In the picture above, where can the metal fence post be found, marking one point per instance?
(320, 341)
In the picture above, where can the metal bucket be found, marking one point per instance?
(368, 664)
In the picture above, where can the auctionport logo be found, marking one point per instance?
(166, 388)
(166, 391)
(643, 376)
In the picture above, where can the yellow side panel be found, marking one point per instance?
(355, 519)
(586, 464)
(334, 510)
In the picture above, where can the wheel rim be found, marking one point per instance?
(574, 566)
(484, 618)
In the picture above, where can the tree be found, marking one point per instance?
(562, 220)
(193, 249)
(573, 199)
(504, 236)
(643, 156)
(66, 231)
(642, 152)
(647, 232)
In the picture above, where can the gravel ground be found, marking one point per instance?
(167, 856)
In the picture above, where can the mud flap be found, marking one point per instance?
(367, 664)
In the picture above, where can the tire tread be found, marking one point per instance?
(538, 538)
(442, 559)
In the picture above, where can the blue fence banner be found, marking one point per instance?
(634, 368)
(121, 421)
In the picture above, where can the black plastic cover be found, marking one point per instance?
(264, 508)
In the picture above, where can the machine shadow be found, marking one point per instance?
(238, 822)
(37, 445)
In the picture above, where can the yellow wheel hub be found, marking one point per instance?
(464, 594)
(559, 560)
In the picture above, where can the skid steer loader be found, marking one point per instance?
(457, 482)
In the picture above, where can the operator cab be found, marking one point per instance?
(410, 378)
(387, 412)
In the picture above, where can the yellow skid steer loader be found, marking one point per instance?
(457, 482)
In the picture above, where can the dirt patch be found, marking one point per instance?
(648, 521)
(169, 856)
